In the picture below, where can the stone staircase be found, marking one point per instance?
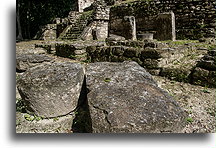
(76, 27)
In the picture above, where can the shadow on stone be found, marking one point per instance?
(82, 122)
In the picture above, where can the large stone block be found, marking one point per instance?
(26, 61)
(166, 26)
(130, 22)
(203, 77)
(51, 90)
(123, 98)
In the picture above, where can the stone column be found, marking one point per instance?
(98, 28)
(165, 26)
(130, 27)
(101, 17)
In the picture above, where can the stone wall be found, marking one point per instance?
(194, 18)
(98, 28)
(205, 71)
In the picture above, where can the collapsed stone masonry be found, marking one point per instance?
(104, 98)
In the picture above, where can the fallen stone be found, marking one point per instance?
(207, 64)
(152, 53)
(51, 90)
(26, 61)
(203, 77)
(55, 125)
(123, 98)
(113, 37)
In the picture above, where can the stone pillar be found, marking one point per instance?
(130, 27)
(102, 21)
(165, 26)
(98, 28)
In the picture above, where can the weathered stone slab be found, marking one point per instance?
(26, 61)
(113, 37)
(51, 90)
(166, 26)
(123, 98)
(130, 24)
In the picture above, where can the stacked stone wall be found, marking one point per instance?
(98, 28)
(194, 18)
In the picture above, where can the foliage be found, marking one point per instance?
(36, 13)
(189, 119)
(20, 105)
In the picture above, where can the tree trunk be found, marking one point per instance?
(19, 36)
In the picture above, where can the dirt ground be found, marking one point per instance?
(197, 101)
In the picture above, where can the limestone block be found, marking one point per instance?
(51, 90)
(166, 26)
(123, 98)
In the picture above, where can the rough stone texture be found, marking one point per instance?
(101, 11)
(101, 30)
(125, 27)
(72, 51)
(208, 62)
(166, 26)
(98, 28)
(113, 37)
(205, 72)
(58, 125)
(123, 98)
(51, 90)
(26, 61)
(194, 19)
(131, 29)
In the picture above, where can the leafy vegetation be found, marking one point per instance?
(189, 119)
(32, 14)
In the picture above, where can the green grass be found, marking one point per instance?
(107, 80)
(189, 120)
(205, 90)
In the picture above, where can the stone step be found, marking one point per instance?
(71, 37)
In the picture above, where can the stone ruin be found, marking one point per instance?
(110, 95)
(82, 4)
(154, 19)
(98, 26)
(166, 26)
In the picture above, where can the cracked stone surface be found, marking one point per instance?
(123, 98)
(51, 90)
